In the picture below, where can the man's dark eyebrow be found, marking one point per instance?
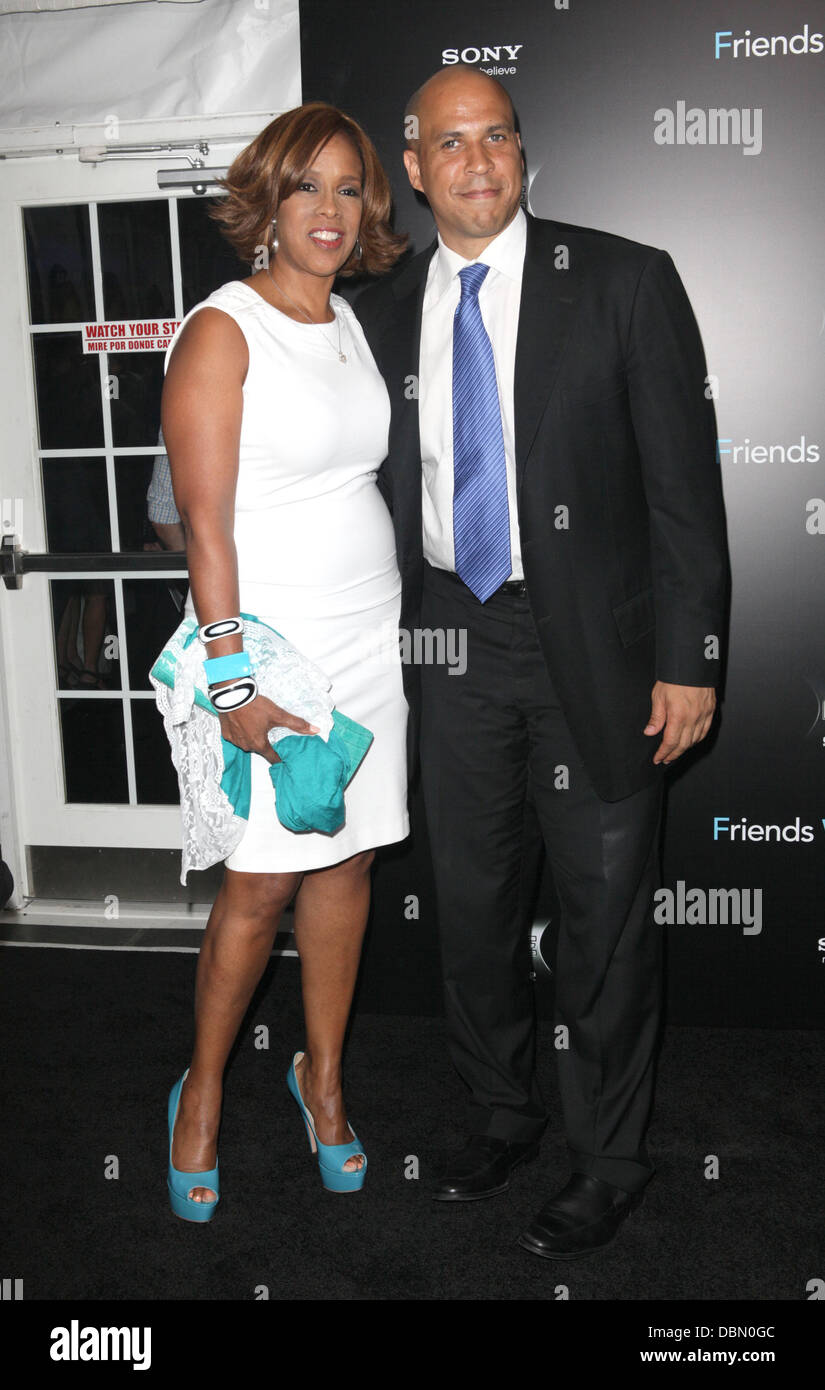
(452, 134)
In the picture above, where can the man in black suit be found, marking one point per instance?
(553, 482)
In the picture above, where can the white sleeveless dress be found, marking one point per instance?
(316, 557)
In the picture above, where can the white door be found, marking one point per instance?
(85, 762)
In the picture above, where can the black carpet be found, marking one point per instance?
(92, 1042)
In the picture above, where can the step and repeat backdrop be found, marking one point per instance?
(697, 128)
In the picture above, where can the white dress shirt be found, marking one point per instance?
(498, 300)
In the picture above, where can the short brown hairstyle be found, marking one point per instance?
(269, 170)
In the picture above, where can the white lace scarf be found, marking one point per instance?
(211, 830)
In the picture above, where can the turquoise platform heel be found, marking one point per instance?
(180, 1184)
(331, 1157)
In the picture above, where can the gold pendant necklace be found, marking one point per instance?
(342, 356)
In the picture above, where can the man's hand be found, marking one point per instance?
(170, 534)
(685, 712)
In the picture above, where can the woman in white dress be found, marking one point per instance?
(276, 419)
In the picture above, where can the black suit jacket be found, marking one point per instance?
(620, 505)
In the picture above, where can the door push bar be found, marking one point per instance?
(15, 562)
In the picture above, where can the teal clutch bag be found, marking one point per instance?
(309, 780)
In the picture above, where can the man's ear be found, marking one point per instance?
(413, 170)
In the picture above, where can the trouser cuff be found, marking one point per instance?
(619, 1172)
(504, 1124)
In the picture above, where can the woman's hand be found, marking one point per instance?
(248, 726)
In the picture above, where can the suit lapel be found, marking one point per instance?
(400, 353)
(408, 291)
(549, 302)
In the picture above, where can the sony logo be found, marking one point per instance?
(481, 55)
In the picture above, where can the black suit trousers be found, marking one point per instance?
(484, 732)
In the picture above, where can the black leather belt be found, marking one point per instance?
(515, 587)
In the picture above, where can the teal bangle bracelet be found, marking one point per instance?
(225, 668)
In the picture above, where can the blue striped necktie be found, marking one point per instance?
(481, 517)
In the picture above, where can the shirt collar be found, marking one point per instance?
(505, 253)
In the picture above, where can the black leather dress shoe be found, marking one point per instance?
(583, 1217)
(482, 1168)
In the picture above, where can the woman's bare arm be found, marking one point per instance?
(201, 412)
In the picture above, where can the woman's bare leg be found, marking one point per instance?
(330, 918)
(236, 947)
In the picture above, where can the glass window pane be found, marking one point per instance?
(94, 750)
(155, 775)
(69, 405)
(136, 383)
(206, 258)
(153, 609)
(59, 259)
(87, 650)
(136, 260)
(77, 507)
(132, 478)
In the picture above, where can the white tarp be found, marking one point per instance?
(148, 61)
(18, 6)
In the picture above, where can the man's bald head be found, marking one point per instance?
(464, 154)
(454, 80)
